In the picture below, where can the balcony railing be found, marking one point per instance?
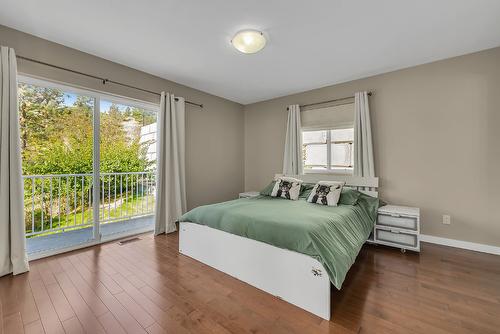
(62, 202)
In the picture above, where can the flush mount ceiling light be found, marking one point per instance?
(249, 41)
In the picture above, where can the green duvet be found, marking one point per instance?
(332, 235)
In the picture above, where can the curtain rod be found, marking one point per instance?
(103, 80)
(328, 101)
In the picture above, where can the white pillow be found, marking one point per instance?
(326, 193)
(287, 187)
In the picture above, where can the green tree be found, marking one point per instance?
(39, 109)
(57, 138)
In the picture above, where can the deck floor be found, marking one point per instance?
(146, 286)
(73, 238)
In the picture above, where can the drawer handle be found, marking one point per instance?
(395, 231)
(395, 215)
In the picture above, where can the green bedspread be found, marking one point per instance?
(332, 235)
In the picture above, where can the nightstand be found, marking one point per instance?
(249, 194)
(398, 226)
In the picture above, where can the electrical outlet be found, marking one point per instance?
(446, 219)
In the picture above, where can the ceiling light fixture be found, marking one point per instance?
(249, 41)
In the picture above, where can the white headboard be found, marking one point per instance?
(366, 185)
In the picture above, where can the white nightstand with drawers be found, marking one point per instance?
(398, 226)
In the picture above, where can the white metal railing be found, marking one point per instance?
(61, 202)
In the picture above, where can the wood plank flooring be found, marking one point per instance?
(147, 287)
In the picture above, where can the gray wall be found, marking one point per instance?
(436, 131)
(214, 140)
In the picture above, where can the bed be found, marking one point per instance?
(291, 249)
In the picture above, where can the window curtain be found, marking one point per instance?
(13, 258)
(170, 181)
(363, 147)
(292, 159)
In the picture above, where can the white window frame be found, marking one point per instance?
(24, 78)
(329, 170)
(68, 88)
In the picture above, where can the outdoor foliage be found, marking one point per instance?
(57, 138)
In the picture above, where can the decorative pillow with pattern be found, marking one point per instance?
(326, 193)
(287, 187)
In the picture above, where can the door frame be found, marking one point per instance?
(97, 96)
(96, 170)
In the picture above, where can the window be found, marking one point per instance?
(61, 128)
(328, 150)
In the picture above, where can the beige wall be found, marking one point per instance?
(214, 140)
(436, 131)
(436, 137)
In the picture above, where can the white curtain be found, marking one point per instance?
(13, 258)
(292, 159)
(363, 147)
(170, 182)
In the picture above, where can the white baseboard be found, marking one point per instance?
(460, 244)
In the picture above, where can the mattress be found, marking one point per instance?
(332, 235)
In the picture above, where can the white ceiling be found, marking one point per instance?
(310, 43)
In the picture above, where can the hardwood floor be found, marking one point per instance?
(147, 287)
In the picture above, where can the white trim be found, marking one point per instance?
(461, 244)
(51, 252)
(109, 238)
(80, 90)
(335, 170)
(329, 169)
(96, 170)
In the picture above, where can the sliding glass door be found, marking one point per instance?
(57, 161)
(88, 165)
(127, 167)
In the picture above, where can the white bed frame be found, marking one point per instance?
(291, 276)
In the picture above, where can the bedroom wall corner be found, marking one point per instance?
(214, 134)
(436, 141)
